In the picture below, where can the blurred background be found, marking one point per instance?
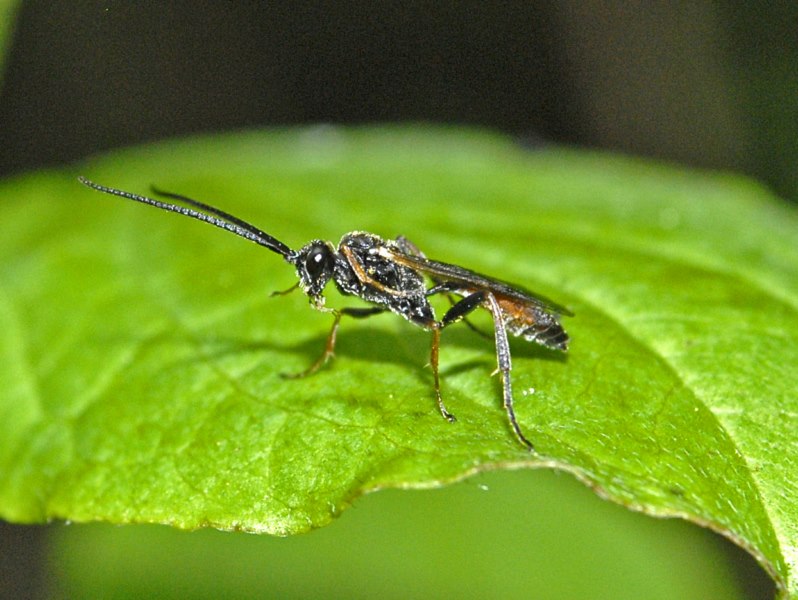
(703, 83)
(711, 85)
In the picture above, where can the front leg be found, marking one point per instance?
(329, 347)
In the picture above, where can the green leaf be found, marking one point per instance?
(140, 351)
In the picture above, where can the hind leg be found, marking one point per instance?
(504, 363)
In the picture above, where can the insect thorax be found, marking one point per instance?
(360, 270)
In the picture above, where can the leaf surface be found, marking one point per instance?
(140, 352)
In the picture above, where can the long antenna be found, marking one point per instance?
(222, 219)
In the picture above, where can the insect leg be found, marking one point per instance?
(463, 307)
(329, 348)
(362, 313)
(447, 288)
(284, 292)
(433, 361)
(457, 312)
(505, 364)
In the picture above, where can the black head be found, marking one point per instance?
(314, 263)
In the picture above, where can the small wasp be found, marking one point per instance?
(390, 275)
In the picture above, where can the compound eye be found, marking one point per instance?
(318, 262)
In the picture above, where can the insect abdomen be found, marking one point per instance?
(537, 326)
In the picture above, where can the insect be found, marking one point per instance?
(392, 275)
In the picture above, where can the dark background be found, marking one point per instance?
(700, 83)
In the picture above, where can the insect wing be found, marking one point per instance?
(445, 272)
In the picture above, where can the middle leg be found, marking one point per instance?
(455, 313)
